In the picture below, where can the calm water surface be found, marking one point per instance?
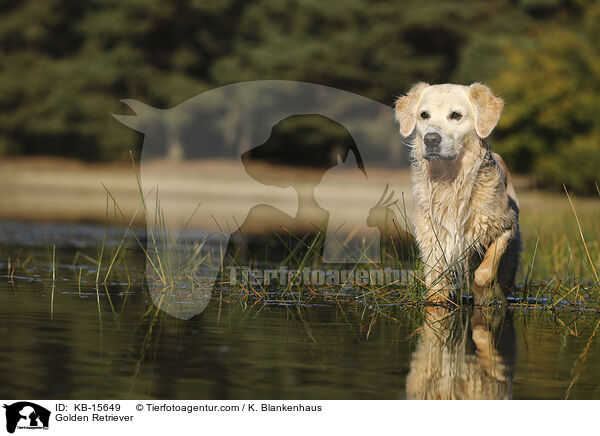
(67, 338)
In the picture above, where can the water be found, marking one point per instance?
(67, 338)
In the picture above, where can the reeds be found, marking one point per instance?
(552, 274)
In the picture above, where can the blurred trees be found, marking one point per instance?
(551, 84)
(65, 65)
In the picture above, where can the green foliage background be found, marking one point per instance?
(66, 64)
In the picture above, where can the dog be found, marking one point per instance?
(463, 355)
(466, 213)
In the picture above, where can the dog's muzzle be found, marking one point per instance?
(433, 149)
(432, 142)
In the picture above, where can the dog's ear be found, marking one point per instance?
(406, 107)
(487, 109)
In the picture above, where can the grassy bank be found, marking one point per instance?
(561, 234)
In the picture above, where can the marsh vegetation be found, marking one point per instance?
(77, 321)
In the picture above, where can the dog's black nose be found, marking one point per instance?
(432, 141)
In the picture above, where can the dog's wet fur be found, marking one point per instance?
(467, 212)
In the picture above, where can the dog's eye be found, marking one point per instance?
(425, 115)
(455, 116)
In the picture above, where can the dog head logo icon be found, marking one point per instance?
(26, 415)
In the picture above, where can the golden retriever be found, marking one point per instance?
(466, 215)
(463, 355)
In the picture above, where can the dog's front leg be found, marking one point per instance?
(487, 271)
(487, 326)
(437, 278)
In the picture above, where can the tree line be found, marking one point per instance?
(65, 66)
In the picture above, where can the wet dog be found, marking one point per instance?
(467, 213)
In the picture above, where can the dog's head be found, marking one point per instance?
(446, 117)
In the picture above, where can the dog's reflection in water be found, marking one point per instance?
(463, 354)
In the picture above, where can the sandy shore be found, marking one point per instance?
(50, 189)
